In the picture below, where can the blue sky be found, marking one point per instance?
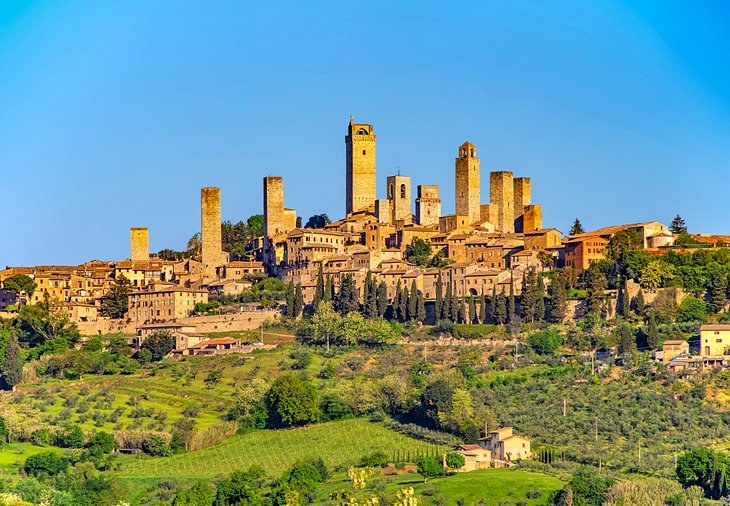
(115, 114)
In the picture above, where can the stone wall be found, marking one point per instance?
(428, 205)
(522, 195)
(532, 219)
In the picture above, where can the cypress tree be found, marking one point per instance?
(528, 302)
(625, 302)
(652, 334)
(439, 307)
(639, 303)
(403, 304)
(382, 299)
(413, 302)
(329, 290)
(455, 307)
(290, 300)
(420, 307)
(319, 289)
(12, 368)
(446, 309)
(718, 292)
(367, 287)
(396, 301)
(558, 300)
(511, 313)
(472, 310)
(463, 314)
(483, 309)
(500, 309)
(540, 298)
(298, 301)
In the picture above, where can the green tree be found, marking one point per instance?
(626, 340)
(623, 242)
(472, 311)
(446, 308)
(159, 344)
(455, 460)
(200, 494)
(347, 300)
(624, 302)
(317, 221)
(718, 292)
(638, 304)
(577, 228)
(413, 302)
(156, 446)
(652, 333)
(558, 299)
(596, 282)
(500, 309)
(420, 307)
(21, 283)
(291, 401)
(12, 366)
(511, 310)
(483, 315)
(255, 226)
(589, 487)
(678, 226)
(193, 246)
(45, 464)
(46, 325)
(655, 274)
(545, 342)
(428, 467)
(326, 323)
(439, 304)
(382, 299)
(241, 487)
(319, 290)
(419, 252)
(298, 300)
(692, 309)
(403, 304)
(289, 312)
(101, 443)
(529, 304)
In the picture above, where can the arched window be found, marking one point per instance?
(402, 191)
(390, 192)
(362, 131)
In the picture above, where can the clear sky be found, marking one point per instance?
(115, 114)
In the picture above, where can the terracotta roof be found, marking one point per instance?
(675, 341)
(215, 342)
(718, 326)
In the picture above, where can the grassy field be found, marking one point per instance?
(493, 487)
(13, 455)
(338, 443)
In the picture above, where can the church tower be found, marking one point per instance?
(467, 183)
(360, 161)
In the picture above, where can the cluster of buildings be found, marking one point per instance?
(499, 448)
(485, 243)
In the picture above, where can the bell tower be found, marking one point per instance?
(360, 162)
(467, 183)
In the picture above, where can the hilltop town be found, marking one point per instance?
(486, 353)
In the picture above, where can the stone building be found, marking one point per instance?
(210, 231)
(273, 206)
(139, 244)
(467, 183)
(360, 163)
(531, 219)
(168, 303)
(428, 205)
(501, 195)
(522, 196)
(399, 197)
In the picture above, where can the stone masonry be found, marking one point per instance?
(360, 162)
(210, 231)
(273, 206)
(467, 183)
(532, 218)
(139, 241)
(522, 199)
(399, 193)
(428, 205)
(501, 194)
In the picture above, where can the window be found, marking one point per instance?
(402, 191)
(364, 152)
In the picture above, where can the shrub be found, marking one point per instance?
(334, 408)
(46, 463)
(291, 401)
(545, 342)
(101, 443)
(71, 437)
(375, 459)
(41, 437)
(429, 467)
(156, 446)
(455, 460)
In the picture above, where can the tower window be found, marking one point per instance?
(402, 191)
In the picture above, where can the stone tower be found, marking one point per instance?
(273, 206)
(360, 161)
(428, 205)
(501, 194)
(467, 182)
(139, 241)
(210, 231)
(399, 194)
(532, 219)
(522, 199)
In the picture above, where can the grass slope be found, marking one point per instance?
(493, 487)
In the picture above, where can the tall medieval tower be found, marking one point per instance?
(273, 206)
(522, 196)
(399, 195)
(501, 195)
(139, 241)
(428, 205)
(210, 231)
(360, 160)
(467, 182)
